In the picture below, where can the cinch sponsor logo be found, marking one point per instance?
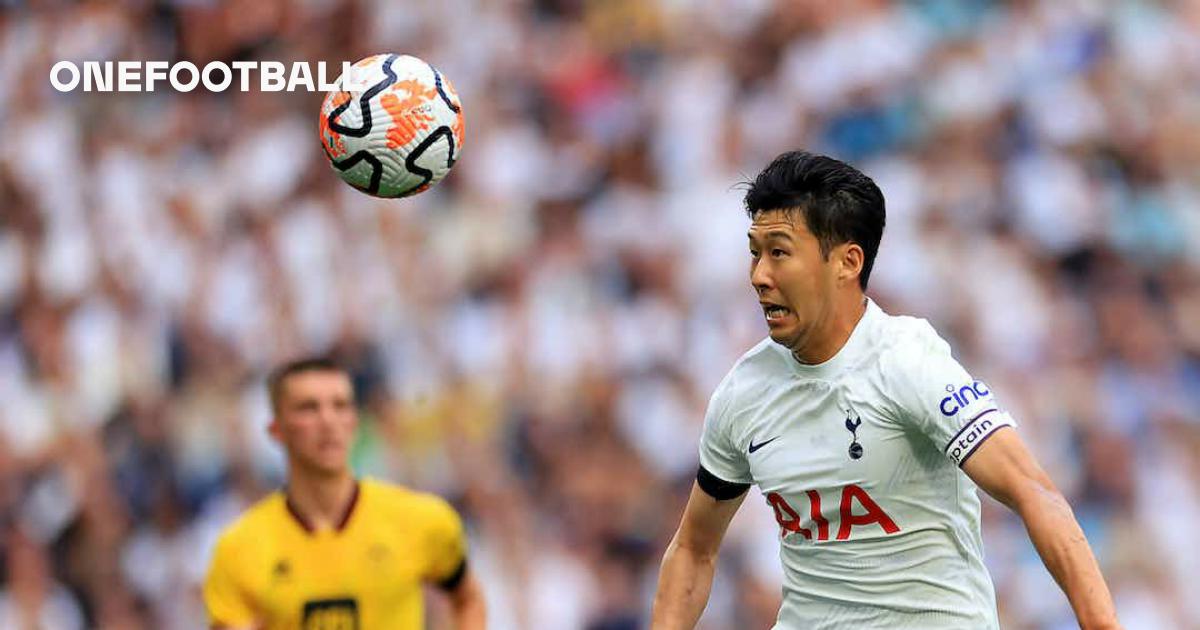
(965, 395)
(968, 441)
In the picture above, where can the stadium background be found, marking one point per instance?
(536, 338)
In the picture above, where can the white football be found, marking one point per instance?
(393, 126)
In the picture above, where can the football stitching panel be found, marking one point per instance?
(363, 156)
(437, 79)
(364, 103)
(410, 162)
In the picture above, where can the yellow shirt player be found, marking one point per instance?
(331, 552)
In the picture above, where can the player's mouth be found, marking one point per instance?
(775, 313)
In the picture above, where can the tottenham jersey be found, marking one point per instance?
(859, 459)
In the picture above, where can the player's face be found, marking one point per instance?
(316, 419)
(794, 282)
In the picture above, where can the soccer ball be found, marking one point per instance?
(393, 126)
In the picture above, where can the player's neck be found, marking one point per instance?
(831, 337)
(321, 502)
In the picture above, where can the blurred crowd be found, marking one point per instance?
(536, 338)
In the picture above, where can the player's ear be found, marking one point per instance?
(274, 430)
(850, 259)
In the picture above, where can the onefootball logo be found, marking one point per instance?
(184, 76)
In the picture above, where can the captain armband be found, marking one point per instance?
(975, 432)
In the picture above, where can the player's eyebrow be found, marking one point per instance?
(772, 234)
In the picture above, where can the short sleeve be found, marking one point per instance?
(224, 598)
(719, 454)
(446, 542)
(940, 399)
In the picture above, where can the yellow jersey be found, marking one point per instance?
(271, 570)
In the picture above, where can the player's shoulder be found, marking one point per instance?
(753, 369)
(911, 358)
(753, 373)
(257, 523)
(414, 505)
(765, 359)
(903, 341)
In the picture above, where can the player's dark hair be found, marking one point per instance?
(279, 376)
(839, 203)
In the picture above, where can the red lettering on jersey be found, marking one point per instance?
(875, 514)
(787, 518)
(814, 507)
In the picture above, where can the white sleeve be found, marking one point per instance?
(719, 454)
(941, 400)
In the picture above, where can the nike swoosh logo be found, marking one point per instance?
(755, 447)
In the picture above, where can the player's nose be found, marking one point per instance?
(760, 277)
(328, 416)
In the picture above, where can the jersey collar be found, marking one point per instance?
(854, 345)
(308, 526)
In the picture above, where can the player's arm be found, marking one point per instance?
(1006, 470)
(686, 576)
(446, 544)
(225, 601)
(466, 600)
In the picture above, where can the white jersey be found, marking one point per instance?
(858, 457)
